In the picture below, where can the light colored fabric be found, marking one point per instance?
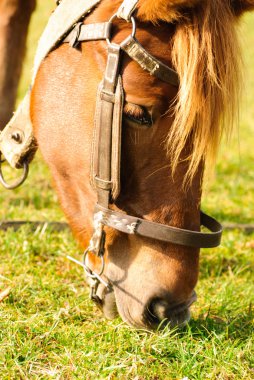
(20, 123)
(126, 9)
(60, 23)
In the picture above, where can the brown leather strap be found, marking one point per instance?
(133, 225)
(117, 140)
(149, 63)
(106, 102)
(114, 183)
(89, 32)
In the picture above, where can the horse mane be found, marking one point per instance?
(163, 10)
(205, 54)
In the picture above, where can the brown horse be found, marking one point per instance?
(168, 134)
(14, 21)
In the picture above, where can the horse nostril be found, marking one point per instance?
(159, 310)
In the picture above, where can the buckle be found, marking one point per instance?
(18, 182)
(74, 36)
(110, 23)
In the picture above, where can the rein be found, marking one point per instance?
(106, 147)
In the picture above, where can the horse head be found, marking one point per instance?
(168, 132)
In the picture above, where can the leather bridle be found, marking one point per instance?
(106, 149)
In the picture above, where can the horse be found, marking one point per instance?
(169, 131)
(14, 21)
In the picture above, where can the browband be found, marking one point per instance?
(101, 31)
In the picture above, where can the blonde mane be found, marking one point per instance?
(206, 56)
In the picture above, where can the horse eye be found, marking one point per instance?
(137, 114)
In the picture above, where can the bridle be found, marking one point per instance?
(106, 147)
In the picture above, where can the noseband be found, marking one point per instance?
(106, 147)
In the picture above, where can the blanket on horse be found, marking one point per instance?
(60, 23)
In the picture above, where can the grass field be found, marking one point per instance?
(49, 329)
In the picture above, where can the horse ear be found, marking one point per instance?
(241, 6)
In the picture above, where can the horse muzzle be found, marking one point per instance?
(160, 312)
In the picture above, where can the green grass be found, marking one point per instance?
(49, 329)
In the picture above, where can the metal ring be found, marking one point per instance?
(89, 272)
(134, 27)
(18, 182)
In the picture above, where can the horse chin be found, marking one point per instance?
(138, 315)
(108, 301)
(112, 303)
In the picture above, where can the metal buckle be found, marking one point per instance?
(75, 33)
(89, 271)
(91, 274)
(96, 247)
(19, 181)
(95, 278)
(134, 28)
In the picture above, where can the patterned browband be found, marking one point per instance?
(102, 31)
